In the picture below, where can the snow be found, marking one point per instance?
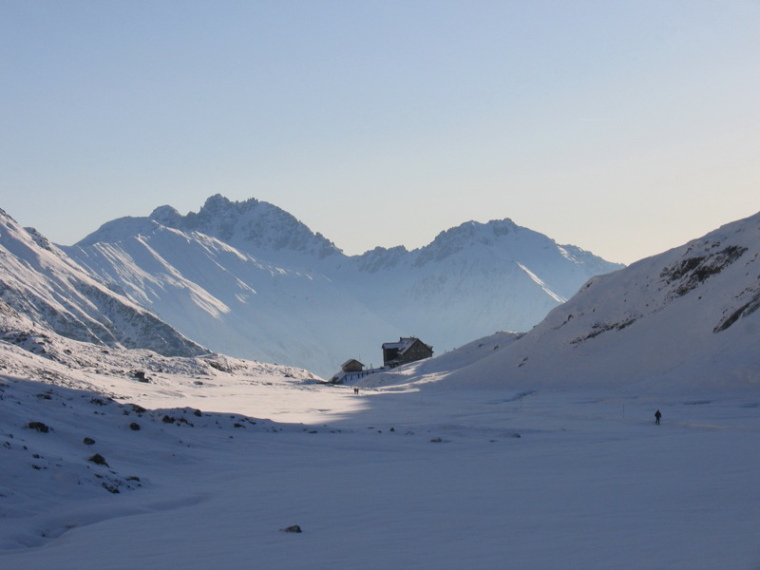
(38, 279)
(530, 451)
(415, 472)
(540, 283)
(409, 477)
(657, 324)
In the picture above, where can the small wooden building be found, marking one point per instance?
(406, 350)
(352, 365)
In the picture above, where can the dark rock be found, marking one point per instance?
(88, 441)
(140, 376)
(98, 459)
(292, 528)
(39, 426)
(134, 426)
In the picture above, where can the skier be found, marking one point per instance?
(657, 416)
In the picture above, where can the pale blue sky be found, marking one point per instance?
(623, 127)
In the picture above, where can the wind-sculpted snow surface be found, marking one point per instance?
(40, 281)
(248, 279)
(688, 315)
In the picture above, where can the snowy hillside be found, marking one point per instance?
(38, 280)
(231, 301)
(472, 280)
(248, 279)
(688, 316)
(124, 459)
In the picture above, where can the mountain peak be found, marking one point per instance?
(166, 216)
(500, 237)
(476, 232)
(252, 226)
(120, 229)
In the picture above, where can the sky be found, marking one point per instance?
(625, 128)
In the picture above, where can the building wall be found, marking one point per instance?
(417, 351)
(389, 354)
(353, 366)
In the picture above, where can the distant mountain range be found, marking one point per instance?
(250, 280)
(684, 318)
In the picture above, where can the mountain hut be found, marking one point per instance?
(406, 350)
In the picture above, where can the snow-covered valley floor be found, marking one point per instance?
(432, 478)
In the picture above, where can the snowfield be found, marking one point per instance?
(410, 476)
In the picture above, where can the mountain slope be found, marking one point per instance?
(232, 302)
(38, 280)
(472, 280)
(687, 316)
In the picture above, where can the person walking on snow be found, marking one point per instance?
(657, 416)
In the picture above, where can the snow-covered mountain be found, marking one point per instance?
(103, 449)
(39, 281)
(688, 317)
(120, 458)
(472, 280)
(231, 301)
(248, 279)
(258, 228)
